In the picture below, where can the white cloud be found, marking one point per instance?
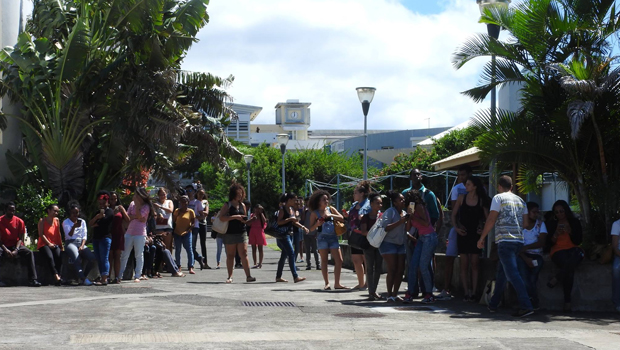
(319, 51)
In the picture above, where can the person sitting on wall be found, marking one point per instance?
(12, 231)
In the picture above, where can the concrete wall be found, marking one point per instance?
(9, 29)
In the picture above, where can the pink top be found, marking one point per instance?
(137, 228)
(423, 230)
(256, 227)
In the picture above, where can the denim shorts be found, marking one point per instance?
(392, 248)
(327, 241)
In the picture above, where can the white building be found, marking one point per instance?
(11, 16)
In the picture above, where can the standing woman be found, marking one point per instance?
(287, 217)
(360, 207)
(472, 210)
(139, 211)
(184, 223)
(202, 211)
(75, 242)
(164, 208)
(392, 248)
(118, 235)
(322, 219)
(236, 237)
(565, 235)
(102, 235)
(50, 240)
(372, 256)
(426, 242)
(258, 223)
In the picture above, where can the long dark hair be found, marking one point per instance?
(483, 197)
(141, 191)
(570, 216)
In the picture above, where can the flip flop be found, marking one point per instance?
(327, 287)
(229, 280)
(342, 287)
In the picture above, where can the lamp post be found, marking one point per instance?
(493, 31)
(248, 160)
(365, 94)
(283, 140)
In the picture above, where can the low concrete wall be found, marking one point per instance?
(591, 290)
(14, 273)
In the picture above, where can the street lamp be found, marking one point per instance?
(493, 31)
(248, 160)
(283, 140)
(365, 94)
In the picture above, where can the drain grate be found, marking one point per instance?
(359, 315)
(269, 304)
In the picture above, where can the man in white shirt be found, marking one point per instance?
(615, 244)
(509, 215)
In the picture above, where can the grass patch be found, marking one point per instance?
(274, 246)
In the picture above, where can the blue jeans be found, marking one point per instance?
(286, 245)
(220, 245)
(421, 258)
(615, 294)
(186, 241)
(195, 236)
(507, 270)
(101, 249)
(72, 248)
(530, 275)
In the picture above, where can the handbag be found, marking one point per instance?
(377, 233)
(219, 226)
(339, 226)
(358, 241)
(276, 231)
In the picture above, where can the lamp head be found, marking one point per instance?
(365, 94)
(282, 139)
(484, 4)
(248, 159)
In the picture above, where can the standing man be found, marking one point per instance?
(12, 231)
(436, 214)
(509, 216)
(452, 250)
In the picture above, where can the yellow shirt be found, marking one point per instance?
(183, 221)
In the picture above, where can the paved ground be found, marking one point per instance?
(201, 311)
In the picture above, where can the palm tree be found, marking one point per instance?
(542, 36)
(102, 89)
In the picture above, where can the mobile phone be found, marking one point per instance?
(412, 207)
(101, 211)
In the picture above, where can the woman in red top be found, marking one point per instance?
(258, 223)
(50, 240)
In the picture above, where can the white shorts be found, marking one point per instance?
(452, 248)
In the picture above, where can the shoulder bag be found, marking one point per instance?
(219, 226)
(339, 226)
(377, 233)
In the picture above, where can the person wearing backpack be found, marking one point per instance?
(322, 219)
(287, 218)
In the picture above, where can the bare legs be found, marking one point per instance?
(396, 268)
(231, 250)
(337, 256)
(254, 254)
(470, 262)
(359, 263)
(447, 277)
(115, 263)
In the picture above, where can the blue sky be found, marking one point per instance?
(425, 7)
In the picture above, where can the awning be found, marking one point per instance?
(468, 156)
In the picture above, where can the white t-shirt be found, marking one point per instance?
(166, 215)
(78, 233)
(509, 224)
(197, 207)
(615, 230)
(531, 236)
(457, 191)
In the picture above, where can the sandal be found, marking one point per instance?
(281, 280)
(299, 279)
(115, 281)
(143, 278)
(178, 274)
(137, 280)
(327, 287)
(229, 280)
(250, 279)
(342, 287)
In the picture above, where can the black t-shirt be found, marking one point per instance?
(104, 225)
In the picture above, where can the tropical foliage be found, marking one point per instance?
(32, 207)
(104, 98)
(266, 177)
(560, 54)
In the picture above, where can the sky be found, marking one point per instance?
(319, 51)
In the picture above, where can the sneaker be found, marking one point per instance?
(308, 267)
(407, 300)
(491, 309)
(318, 267)
(391, 300)
(444, 295)
(523, 313)
(87, 282)
(300, 261)
(428, 300)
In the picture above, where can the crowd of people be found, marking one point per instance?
(149, 230)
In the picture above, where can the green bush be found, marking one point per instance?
(30, 205)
